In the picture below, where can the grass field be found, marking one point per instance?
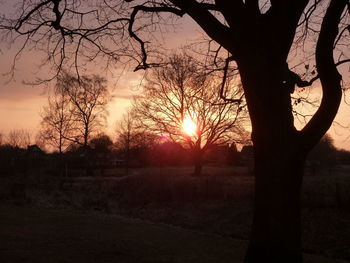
(217, 203)
(39, 235)
(50, 236)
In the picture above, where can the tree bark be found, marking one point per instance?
(279, 161)
(279, 149)
(276, 228)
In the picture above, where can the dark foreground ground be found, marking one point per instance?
(31, 234)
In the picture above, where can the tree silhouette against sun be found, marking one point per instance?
(182, 102)
(261, 40)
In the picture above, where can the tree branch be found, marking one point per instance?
(328, 74)
(208, 22)
(222, 95)
(35, 9)
(154, 9)
(282, 20)
(253, 6)
(234, 11)
(295, 79)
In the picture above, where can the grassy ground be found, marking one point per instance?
(217, 203)
(37, 235)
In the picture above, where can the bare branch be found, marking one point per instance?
(153, 9)
(210, 24)
(328, 74)
(224, 78)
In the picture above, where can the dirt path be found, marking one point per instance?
(40, 235)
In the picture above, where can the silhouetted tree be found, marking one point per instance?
(9, 156)
(180, 93)
(102, 143)
(324, 153)
(18, 138)
(1, 139)
(57, 124)
(169, 153)
(128, 135)
(40, 141)
(88, 97)
(143, 147)
(134, 143)
(258, 36)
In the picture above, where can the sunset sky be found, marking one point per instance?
(20, 104)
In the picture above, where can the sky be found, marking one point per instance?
(21, 104)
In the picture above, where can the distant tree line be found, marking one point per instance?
(151, 132)
(76, 113)
(135, 147)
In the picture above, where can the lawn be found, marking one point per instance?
(30, 234)
(42, 235)
(218, 203)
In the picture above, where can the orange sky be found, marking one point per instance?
(20, 104)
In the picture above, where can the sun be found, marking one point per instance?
(189, 126)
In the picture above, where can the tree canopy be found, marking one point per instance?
(76, 110)
(182, 102)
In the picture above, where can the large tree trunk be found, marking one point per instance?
(276, 229)
(279, 149)
(279, 160)
(260, 45)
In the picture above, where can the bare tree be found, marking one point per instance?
(40, 141)
(18, 138)
(88, 97)
(76, 110)
(128, 134)
(260, 37)
(184, 104)
(57, 126)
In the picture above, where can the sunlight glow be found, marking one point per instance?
(189, 126)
